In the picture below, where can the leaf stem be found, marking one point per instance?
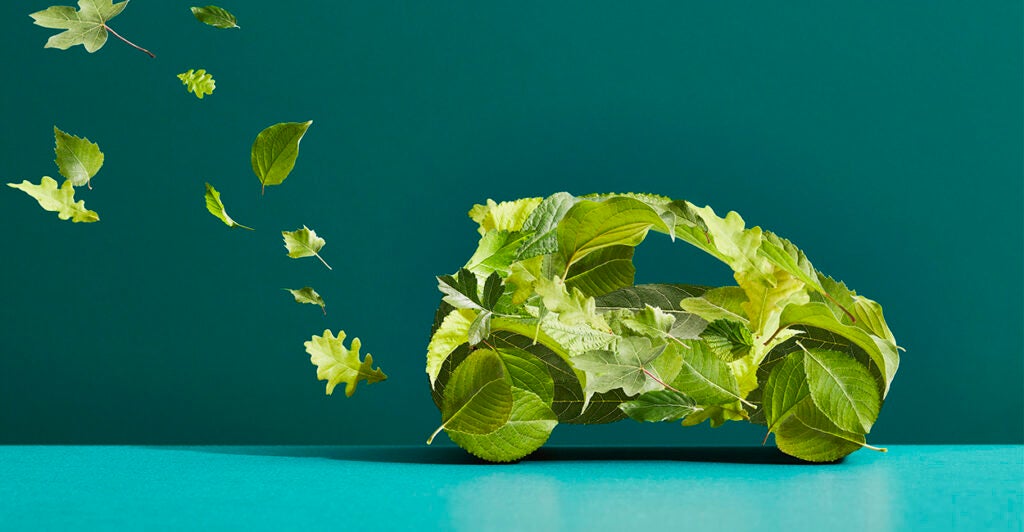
(434, 435)
(853, 319)
(129, 43)
(659, 381)
(323, 261)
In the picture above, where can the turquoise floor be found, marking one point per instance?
(366, 488)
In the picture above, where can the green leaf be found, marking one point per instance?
(629, 367)
(808, 435)
(842, 389)
(505, 216)
(706, 378)
(304, 243)
(336, 364)
(590, 226)
(527, 371)
(495, 252)
(729, 340)
(785, 389)
(78, 159)
(478, 397)
(461, 291)
(215, 16)
(275, 150)
(665, 297)
(603, 271)
(659, 405)
(59, 200)
(87, 26)
(198, 82)
(453, 332)
(542, 224)
(724, 303)
(480, 328)
(216, 208)
(529, 425)
(309, 296)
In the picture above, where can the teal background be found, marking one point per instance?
(884, 138)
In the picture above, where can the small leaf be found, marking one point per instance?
(309, 296)
(480, 329)
(198, 82)
(275, 150)
(304, 243)
(217, 17)
(336, 364)
(78, 159)
(59, 200)
(216, 208)
(729, 340)
(659, 405)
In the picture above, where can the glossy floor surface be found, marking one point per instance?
(366, 488)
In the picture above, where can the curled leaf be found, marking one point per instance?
(216, 208)
(198, 82)
(217, 17)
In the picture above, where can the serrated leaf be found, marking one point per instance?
(659, 405)
(786, 387)
(453, 332)
(729, 340)
(495, 252)
(529, 425)
(542, 224)
(842, 389)
(304, 243)
(603, 271)
(308, 296)
(589, 226)
(808, 435)
(275, 151)
(198, 82)
(478, 396)
(480, 328)
(505, 216)
(59, 200)
(216, 208)
(217, 17)
(78, 159)
(725, 303)
(628, 368)
(86, 26)
(462, 291)
(337, 364)
(665, 297)
(704, 377)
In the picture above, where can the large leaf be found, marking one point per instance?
(275, 151)
(528, 426)
(590, 226)
(478, 397)
(628, 368)
(786, 387)
(217, 17)
(808, 435)
(453, 332)
(337, 364)
(59, 200)
(216, 208)
(78, 159)
(86, 26)
(706, 378)
(603, 271)
(542, 223)
(659, 405)
(842, 389)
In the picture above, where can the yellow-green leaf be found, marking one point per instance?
(304, 243)
(198, 82)
(216, 208)
(309, 296)
(337, 364)
(78, 159)
(217, 17)
(59, 200)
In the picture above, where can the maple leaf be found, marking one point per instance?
(86, 26)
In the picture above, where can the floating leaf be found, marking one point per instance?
(59, 200)
(275, 150)
(309, 296)
(217, 17)
(198, 82)
(216, 208)
(304, 243)
(336, 364)
(86, 26)
(78, 159)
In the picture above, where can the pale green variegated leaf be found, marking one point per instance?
(665, 297)
(198, 82)
(308, 296)
(786, 387)
(275, 151)
(78, 159)
(505, 216)
(495, 253)
(336, 364)
(523, 276)
(729, 340)
(216, 208)
(477, 397)
(603, 271)
(86, 26)
(725, 303)
(628, 368)
(576, 339)
(659, 405)
(529, 425)
(453, 332)
(304, 243)
(59, 200)
(707, 379)
(651, 322)
(571, 306)
(589, 226)
(217, 17)
(842, 389)
(808, 435)
(883, 354)
(542, 223)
